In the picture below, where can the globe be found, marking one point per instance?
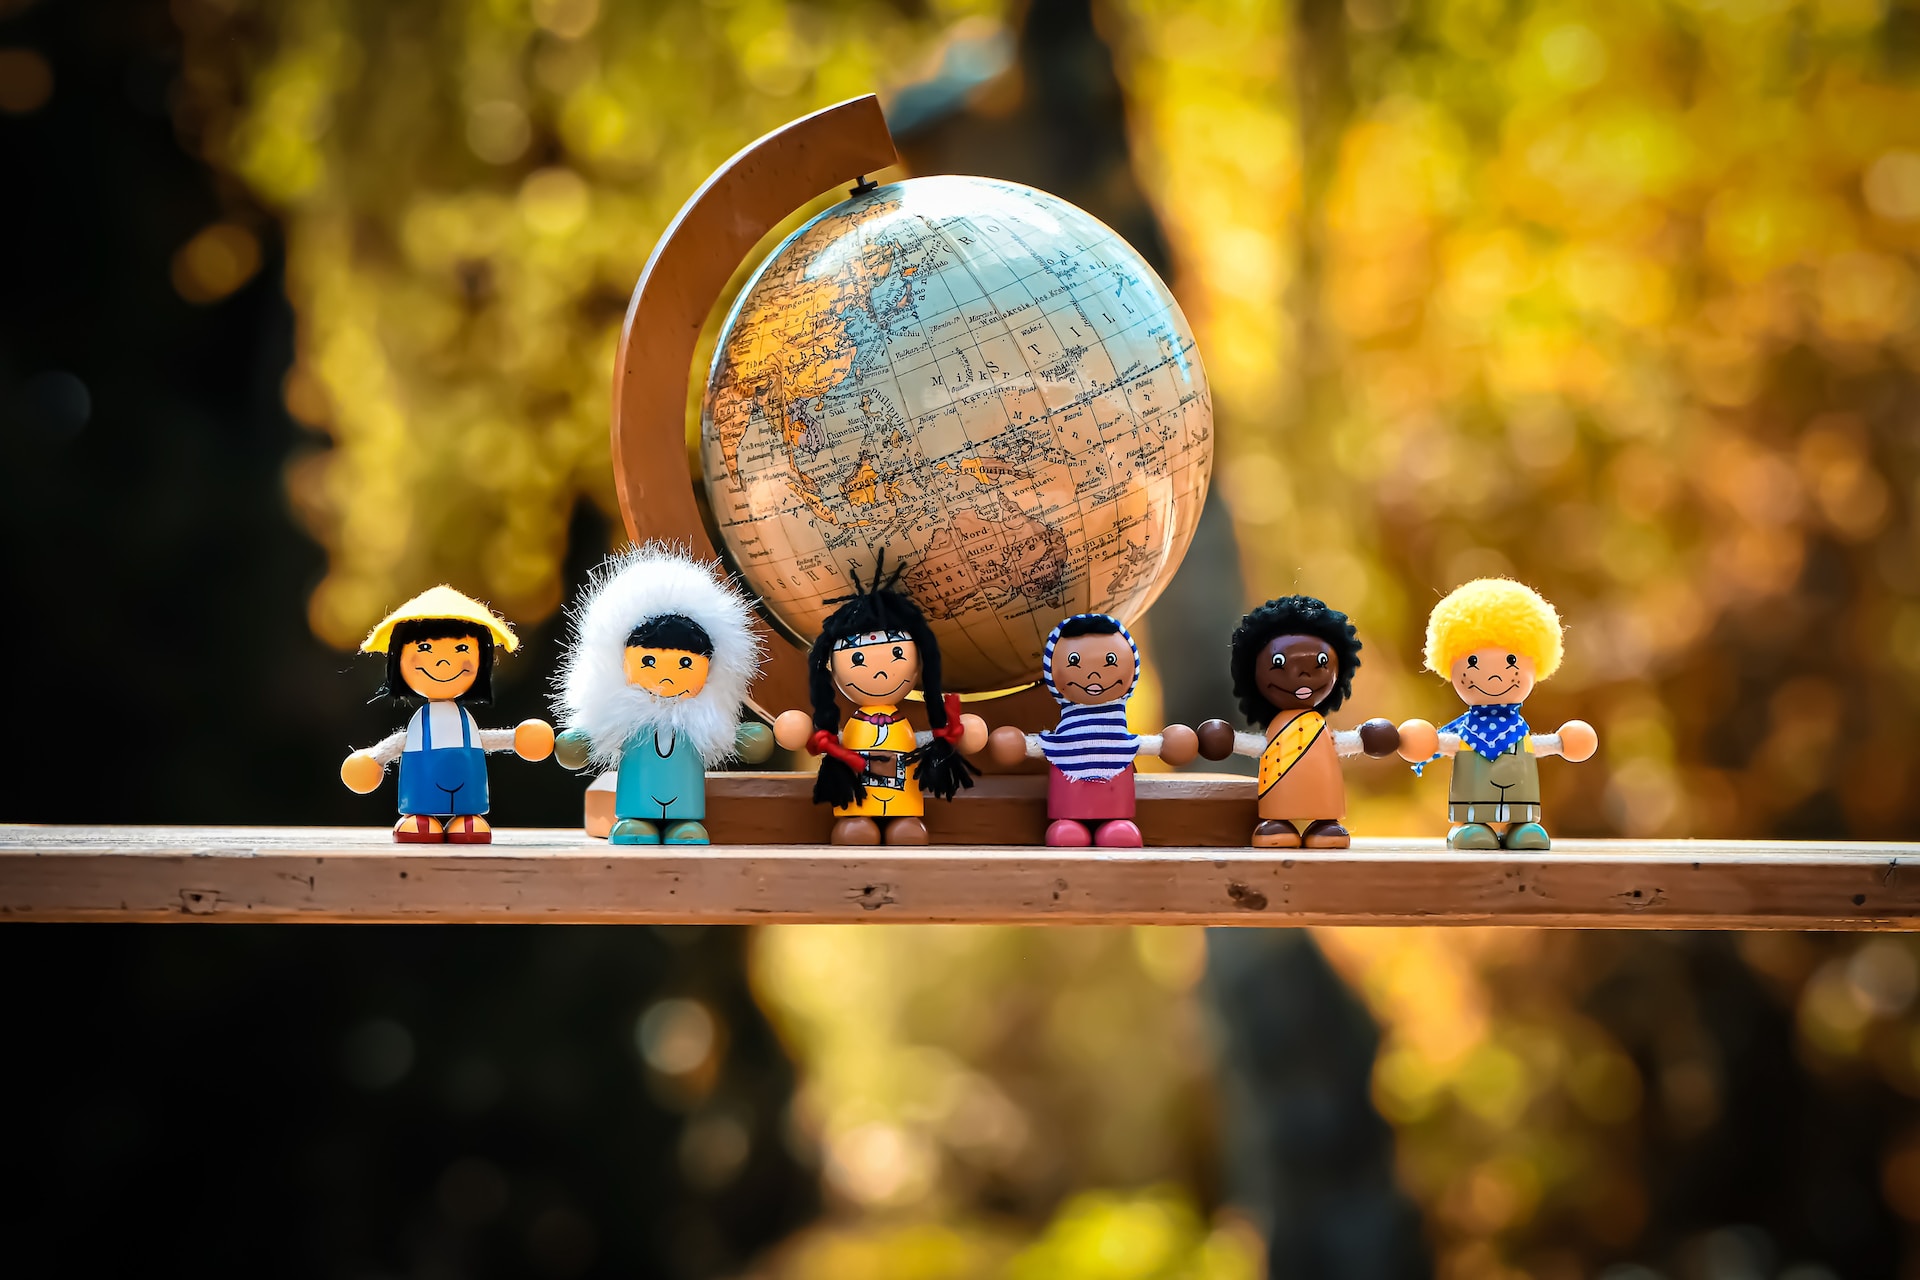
(979, 383)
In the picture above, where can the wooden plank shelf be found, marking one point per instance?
(360, 875)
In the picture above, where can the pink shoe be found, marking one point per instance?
(1067, 834)
(1118, 834)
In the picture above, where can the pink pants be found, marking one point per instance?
(1101, 801)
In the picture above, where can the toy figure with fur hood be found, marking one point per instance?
(1293, 661)
(439, 650)
(872, 650)
(662, 654)
(1493, 640)
(1090, 665)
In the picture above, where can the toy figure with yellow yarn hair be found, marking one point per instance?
(1493, 640)
(439, 649)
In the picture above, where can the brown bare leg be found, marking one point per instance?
(906, 831)
(855, 831)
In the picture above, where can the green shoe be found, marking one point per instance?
(1529, 836)
(633, 831)
(1475, 835)
(685, 833)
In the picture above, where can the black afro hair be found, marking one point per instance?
(1291, 616)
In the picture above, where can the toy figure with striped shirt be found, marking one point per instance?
(1090, 665)
(1293, 662)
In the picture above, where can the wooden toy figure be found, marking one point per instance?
(872, 650)
(1090, 665)
(662, 654)
(1493, 640)
(1293, 661)
(439, 648)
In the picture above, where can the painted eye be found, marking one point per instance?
(1513, 660)
(1473, 660)
(859, 659)
(685, 662)
(1073, 659)
(424, 647)
(899, 653)
(647, 660)
(1113, 659)
(1321, 660)
(1279, 659)
(463, 647)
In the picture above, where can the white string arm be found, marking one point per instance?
(1547, 744)
(1449, 744)
(1346, 742)
(388, 749)
(1149, 744)
(1249, 744)
(496, 739)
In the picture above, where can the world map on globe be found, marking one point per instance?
(980, 381)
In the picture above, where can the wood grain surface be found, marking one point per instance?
(359, 875)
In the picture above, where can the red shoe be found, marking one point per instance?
(1068, 834)
(469, 830)
(418, 828)
(1118, 834)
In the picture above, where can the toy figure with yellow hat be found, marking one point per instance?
(1493, 640)
(439, 647)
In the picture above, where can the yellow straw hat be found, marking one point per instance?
(441, 602)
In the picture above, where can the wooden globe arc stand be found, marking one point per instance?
(743, 200)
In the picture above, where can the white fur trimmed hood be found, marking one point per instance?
(631, 587)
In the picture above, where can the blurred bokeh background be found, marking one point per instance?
(310, 303)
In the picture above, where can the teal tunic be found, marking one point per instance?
(662, 777)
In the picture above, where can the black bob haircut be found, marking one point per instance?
(878, 606)
(1089, 624)
(405, 633)
(1291, 616)
(672, 631)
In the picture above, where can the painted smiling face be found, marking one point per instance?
(1093, 669)
(876, 674)
(666, 673)
(1492, 677)
(1296, 673)
(440, 669)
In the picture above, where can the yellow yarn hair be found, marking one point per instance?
(1493, 613)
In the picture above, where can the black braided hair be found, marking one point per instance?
(1291, 616)
(881, 606)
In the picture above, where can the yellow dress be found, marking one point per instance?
(884, 737)
(1300, 770)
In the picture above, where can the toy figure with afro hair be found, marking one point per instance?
(1293, 663)
(871, 652)
(1493, 640)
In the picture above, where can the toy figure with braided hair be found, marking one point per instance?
(1493, 639)
(872, 650)
(1293, 662)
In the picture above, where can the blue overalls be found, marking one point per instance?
(443, 782)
